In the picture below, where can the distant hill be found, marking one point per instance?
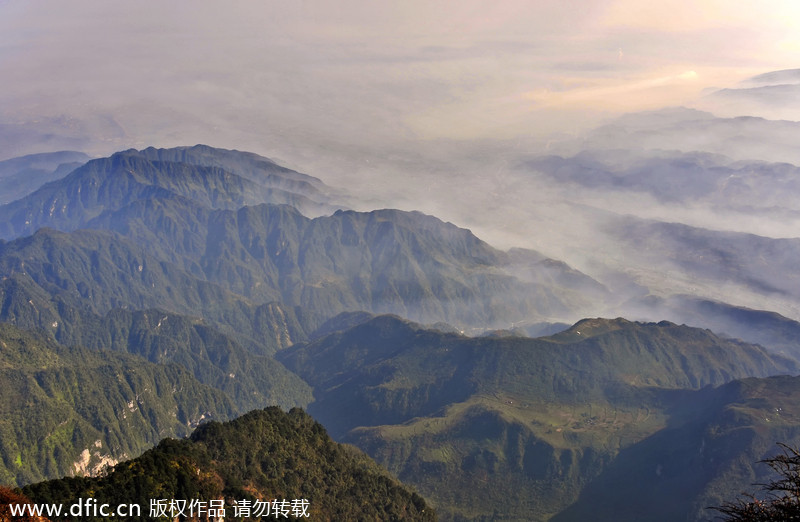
(687, 130)
(236, 219)
(771, 330)
(21, 176)
(107, 184)
(771, 95)
(263, 456)
(678, 177)
(475, 422)
(755, 267)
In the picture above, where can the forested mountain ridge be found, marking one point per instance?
(260, 287)
(237, 228)
(99, 271)
(265, 455)
(67, 411)
(530, 419)
(396, 370)
(106, 184)
(385, 261)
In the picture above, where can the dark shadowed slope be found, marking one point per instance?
(511, 428)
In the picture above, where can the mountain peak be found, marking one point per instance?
(590, 327)
(211, 178)
(782, 77)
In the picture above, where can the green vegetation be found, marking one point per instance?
(66, 411)
(387, 370)
(235, 220)
(263, 455)
(177, 285)
(783, 493)
(705, 456)
(98, 271)
(68, 285)
(516, 428)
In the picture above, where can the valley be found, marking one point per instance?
(202, 284)
(486, 261)
(201, 260)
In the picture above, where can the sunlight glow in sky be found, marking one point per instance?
(427, 105)
(367, 72)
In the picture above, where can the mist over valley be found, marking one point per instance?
(518, 262)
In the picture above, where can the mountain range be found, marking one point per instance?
(472, 421)
(72, 410)
(204, 222)
(147, 292)
(247, 463)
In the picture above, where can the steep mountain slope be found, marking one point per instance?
(305, 192)
(264, 456)
(474, 422)
(707, 458)
(250, 377)
(381, 261)
(68, 411)
(183, 207)
(109, 183)
(100, 271)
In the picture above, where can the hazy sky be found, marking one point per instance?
(396, 101)
(366, 73)
(413, 104)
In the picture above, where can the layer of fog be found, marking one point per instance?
(372, 119)
(490, 188)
